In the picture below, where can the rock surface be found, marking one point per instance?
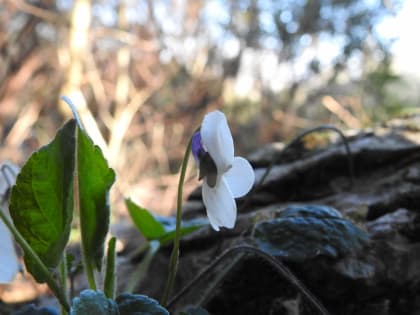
(351, 240)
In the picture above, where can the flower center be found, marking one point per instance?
(207, 167)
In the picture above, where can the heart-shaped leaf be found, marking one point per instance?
(41, 204)
(94, 179)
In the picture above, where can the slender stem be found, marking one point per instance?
(89, 273)
(218, 277)
(88, 268)
(42, 269)
(110, 276)
(63, 276)
(139, 251)
(173, 263)
(141, 270)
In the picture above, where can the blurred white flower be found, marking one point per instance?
(9, 265)
(225, 176)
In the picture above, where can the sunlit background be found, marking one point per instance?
(143, 73)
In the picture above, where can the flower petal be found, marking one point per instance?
(196, 146)
(240, 178)
(9, 263)
(220, 205)
(217, 139)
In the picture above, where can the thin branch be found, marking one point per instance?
(21, 127)
(296, 140)
(343, 114)
(278, 265)
(43, 14)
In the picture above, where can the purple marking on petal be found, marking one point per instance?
(197, 147)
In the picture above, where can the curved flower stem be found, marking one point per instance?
(298, 138)
(46, 274)
(274, 161)
(173, 263)
(74, 110)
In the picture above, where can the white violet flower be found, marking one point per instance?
(225, 176)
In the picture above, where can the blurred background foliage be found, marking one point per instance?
(144, 72)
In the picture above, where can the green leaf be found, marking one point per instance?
(94, 179)
(93, 303)
(136, 304)
(41, 204)
(187, 227)
(161, 229)
(185, 230)
(147, 224)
